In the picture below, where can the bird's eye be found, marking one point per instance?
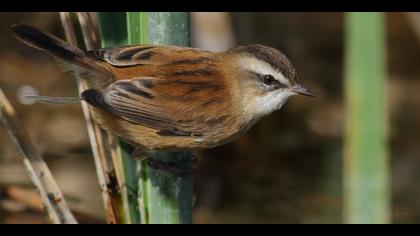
(268, 79)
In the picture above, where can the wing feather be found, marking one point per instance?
(133, 101)
(149, 55)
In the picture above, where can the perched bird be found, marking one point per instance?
(167, 98)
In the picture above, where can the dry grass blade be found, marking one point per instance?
(414, 21)
(89, 30)
(41, 176)
(96, 136)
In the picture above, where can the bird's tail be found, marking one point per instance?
(56, 47)
(52, 100)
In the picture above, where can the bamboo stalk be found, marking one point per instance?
(134, 22)
(366, 168)
(38, 170)
(153, 204)
(166, 184)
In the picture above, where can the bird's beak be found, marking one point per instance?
(300, 89)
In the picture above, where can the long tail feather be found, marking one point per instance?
(52, 100)
(56, 47)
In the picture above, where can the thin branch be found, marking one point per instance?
(41, 176)
(31, 200)
(104, 170)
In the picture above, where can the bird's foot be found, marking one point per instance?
(180, 167)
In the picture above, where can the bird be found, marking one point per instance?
(171, 98)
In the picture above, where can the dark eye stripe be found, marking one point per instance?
(273, 86)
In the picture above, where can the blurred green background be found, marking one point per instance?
(287, 169)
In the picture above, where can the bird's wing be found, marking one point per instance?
(124, 56)
(178, 107)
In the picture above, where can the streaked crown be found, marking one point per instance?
(276, 59)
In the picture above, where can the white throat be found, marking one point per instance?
(270, 102)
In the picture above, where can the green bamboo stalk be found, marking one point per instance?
(165, 195)
(366, 169)
(113, 32)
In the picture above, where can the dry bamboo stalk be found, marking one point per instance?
(90, 32)
(51, 195)
(96, 136)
